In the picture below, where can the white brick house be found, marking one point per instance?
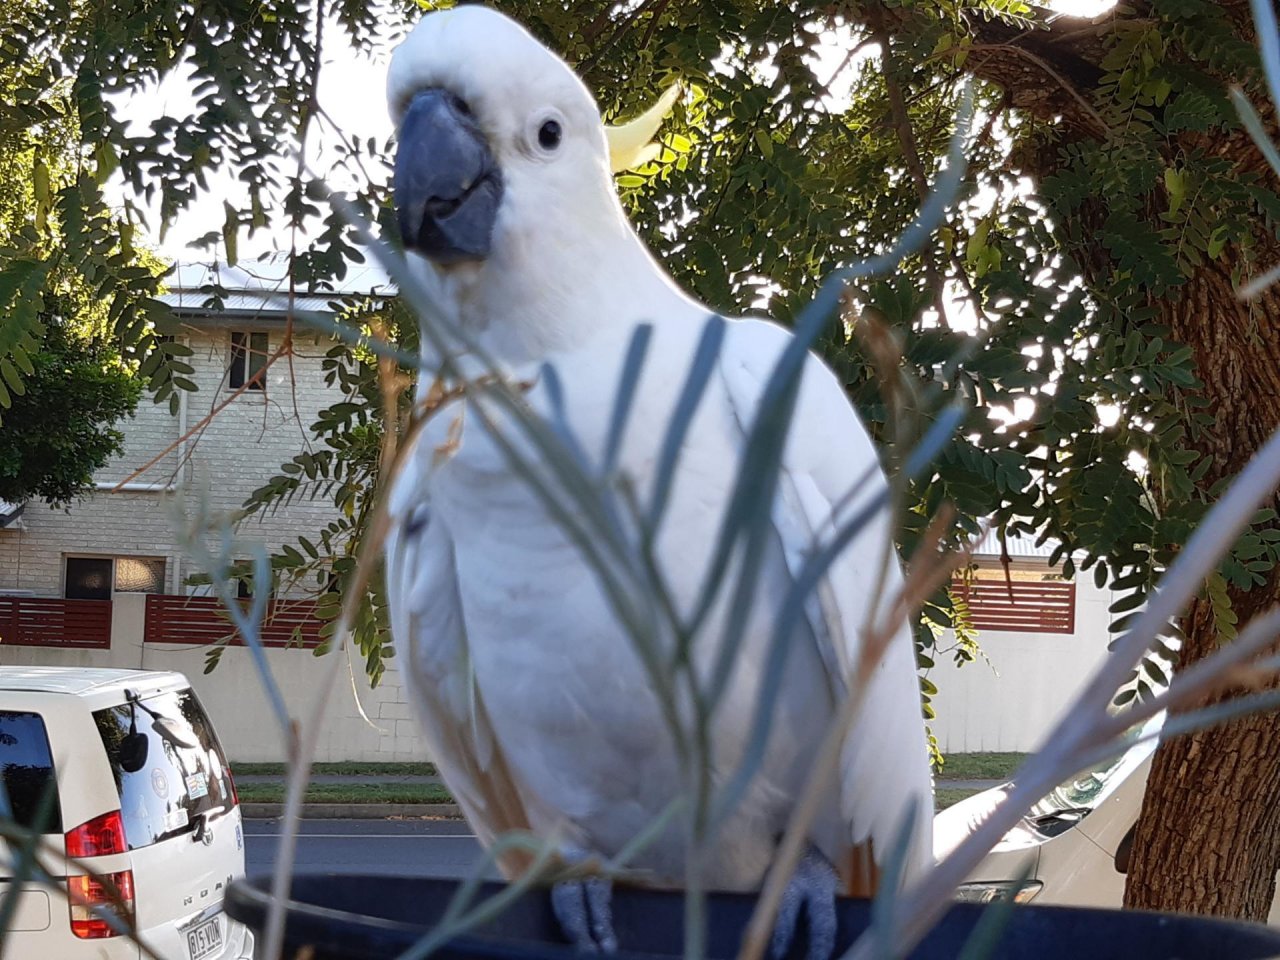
(104, 556)
(234, 453)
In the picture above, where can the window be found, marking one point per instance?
(248, 357)
(185, 775)
(139, 575)
(26, 769)
(1027, 600)
(95, 578)
(88, 578)
(246, 587)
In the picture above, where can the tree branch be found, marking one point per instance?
(910, 152)
(1101, 125)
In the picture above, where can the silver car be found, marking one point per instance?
(1072, 847)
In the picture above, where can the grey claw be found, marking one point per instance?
(813, 886)
(599, 896)
(784, 927)
(569, 902)
(584, 910)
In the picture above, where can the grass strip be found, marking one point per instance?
(346, 768)
(349, 793)
(959, 766)
(944, 797)
(980, 766)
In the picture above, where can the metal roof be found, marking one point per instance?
(1021, 546)
(11, 514)
(261, 288)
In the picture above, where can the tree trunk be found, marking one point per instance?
(1207, 840)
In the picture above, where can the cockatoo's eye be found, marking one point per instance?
(549, 135)
(545, 134)
(463, 108)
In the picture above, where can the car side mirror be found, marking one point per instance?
(133, 750)
(1125, 849)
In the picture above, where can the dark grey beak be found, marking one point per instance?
(447, 186)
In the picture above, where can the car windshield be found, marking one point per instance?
(185, 774)
(1085, 790)
(26, 771)
(1080, 792)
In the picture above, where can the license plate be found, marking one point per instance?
(204, 940)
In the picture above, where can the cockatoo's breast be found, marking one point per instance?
(568, 696)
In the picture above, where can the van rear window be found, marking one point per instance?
(26, 770)
(184, 775)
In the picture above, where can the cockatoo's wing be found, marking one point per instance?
(429, 626)
(829, 473)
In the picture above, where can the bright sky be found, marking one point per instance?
(351, 92)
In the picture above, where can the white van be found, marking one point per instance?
(121, 773)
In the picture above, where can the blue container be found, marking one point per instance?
(358, 917)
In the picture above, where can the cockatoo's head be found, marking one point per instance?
(497, 136)
(503, 184)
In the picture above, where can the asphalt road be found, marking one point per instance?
(431, 848)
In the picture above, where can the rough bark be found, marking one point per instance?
(1208, 838)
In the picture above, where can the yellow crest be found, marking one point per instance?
(631, 144)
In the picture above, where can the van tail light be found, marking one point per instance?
(231, 785)
(89, 897)
(100, 837)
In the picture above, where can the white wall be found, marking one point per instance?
(1012, 703)
(977, 709)
(234, 696)
(1008, 705)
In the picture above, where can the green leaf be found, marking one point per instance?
(1217, 242)
(1130, 602)
(765, 143)
(11, 376)
(230, 233)
(22, 360)
(1176, 185)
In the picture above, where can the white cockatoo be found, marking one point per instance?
(535, 705)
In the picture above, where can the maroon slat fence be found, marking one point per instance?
(178, 619)
(1021, 606)
(54, 622)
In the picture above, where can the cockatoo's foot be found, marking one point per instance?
(813, 886)
(584, 910)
